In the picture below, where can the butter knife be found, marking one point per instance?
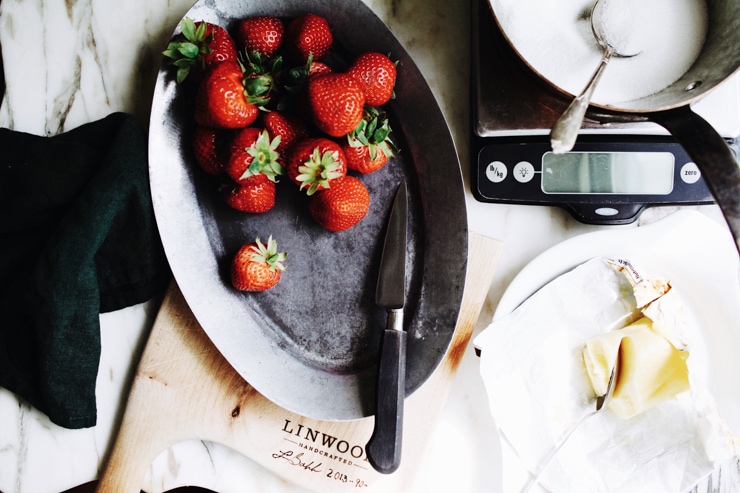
(384, 447)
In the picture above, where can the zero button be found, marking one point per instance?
(690, 173)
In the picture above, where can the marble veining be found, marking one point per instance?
(71, 62)
(89, 58)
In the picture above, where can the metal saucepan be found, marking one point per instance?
(718, 61)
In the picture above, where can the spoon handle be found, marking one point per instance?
(600, 403)
(546, 461)
(565, 131)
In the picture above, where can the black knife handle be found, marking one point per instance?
(384, 448)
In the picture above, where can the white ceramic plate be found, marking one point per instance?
(700, 259)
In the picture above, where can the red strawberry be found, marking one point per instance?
(315, 163)
(336, 102)
(223, 48)
(221, 100)
(297, 77)
(341, 206)
(208, 149)
(308, 35)
(262, 34)
(368, 147)
(318, 68)
(361, 160)
(198, 47)
(257, 267)
(254, 199)
(295, 82)
(253, 158)
(288, 127)
(377, 75)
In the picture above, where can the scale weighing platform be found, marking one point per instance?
(614, 171)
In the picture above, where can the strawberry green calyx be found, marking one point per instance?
(294, 82)
(264, 157)
(373, 132)
(296, 77)
(319, 170)
(189, 47)
(261, 75)
(269, 254)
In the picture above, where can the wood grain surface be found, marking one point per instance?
(185, 389)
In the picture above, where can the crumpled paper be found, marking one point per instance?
(532, 367)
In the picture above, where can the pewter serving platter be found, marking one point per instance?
(311, 343)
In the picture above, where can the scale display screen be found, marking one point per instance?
(634, 173)
(603, 180)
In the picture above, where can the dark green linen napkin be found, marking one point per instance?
(77, 238)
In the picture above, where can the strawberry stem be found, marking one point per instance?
(269, 254)
(188, 48)
(319, 170)
(373, 132)
(264, 157)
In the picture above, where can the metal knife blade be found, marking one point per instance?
(390, 290)
(384, 447)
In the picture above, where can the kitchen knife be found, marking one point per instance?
(384, 447)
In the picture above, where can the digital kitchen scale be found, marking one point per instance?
(614, 171)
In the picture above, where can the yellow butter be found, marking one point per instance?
(651, 368)
(599, 356)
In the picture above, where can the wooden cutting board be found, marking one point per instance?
(184, 389)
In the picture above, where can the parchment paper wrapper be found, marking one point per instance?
(532, 366)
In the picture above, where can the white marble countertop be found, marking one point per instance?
(68, 63)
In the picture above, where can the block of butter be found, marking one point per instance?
(651, 368)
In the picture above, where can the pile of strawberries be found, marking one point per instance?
(266, 106)
(269, 104)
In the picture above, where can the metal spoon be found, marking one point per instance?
(601, 402)
(565, 131)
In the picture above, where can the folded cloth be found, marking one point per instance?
(77, 238)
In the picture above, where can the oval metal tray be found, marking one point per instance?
(311, 343)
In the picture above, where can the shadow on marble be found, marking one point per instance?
(90, 488)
